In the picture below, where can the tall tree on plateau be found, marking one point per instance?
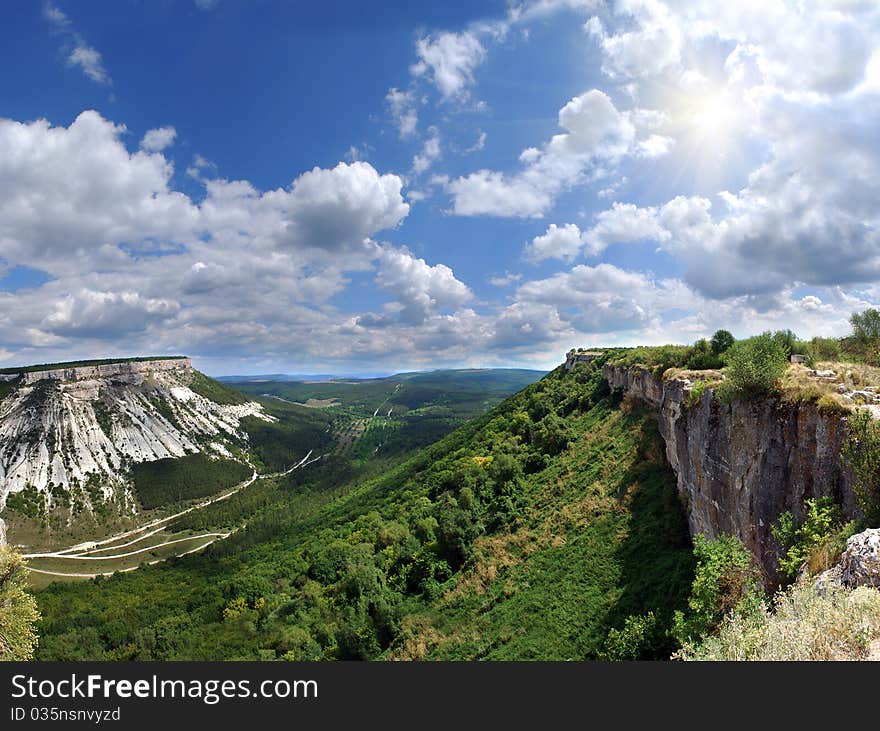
(866, 325)
(18, 610)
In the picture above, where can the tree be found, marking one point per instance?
(18, 610)
(457, 528)
(787, 339)
(866, 325)
(824, 349)
(550, 435)
(754, 365)
(721, 341)
(702, 357)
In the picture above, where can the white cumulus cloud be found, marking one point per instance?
(449, 60)
(156, 140)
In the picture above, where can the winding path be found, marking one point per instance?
(90, 546)
(81, 551)
(85, 557)
(121, 571)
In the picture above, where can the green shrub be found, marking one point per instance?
(820, 349)
(755, 365)
(725, 576)
(703, 357)
(861, 452)
(636, 640)
(788, 341)
(29, 502)
(799, 539)
(657, 358)
(18, 610)
(695, 394)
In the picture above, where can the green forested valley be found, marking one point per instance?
(529, 532)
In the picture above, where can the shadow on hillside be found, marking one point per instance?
(656, 555)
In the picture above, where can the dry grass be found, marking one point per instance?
(854, 376)
(827, 554)
(493, 556)
(841, 624)
(417, 638)
(707, 375)
(799, 386)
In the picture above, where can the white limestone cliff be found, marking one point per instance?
(60, 426)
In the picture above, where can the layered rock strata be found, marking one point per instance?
(740, 465)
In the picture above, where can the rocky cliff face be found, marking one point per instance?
(62, 427)
(740, 465)
(106, 370)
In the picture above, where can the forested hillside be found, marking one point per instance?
(530, 532)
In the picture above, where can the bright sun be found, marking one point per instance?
(711, 117)
(710, 127)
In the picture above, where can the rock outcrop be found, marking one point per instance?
(740, 465)
(59, 428)
(859, 565)
(107, 370)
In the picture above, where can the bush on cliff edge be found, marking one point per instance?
(755, 365)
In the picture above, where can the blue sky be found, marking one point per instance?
(375, 187)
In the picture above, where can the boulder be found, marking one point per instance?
(860, 563)
(823, 374)
(826, 580)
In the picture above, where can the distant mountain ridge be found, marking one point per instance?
(280, 377)
(312, 377)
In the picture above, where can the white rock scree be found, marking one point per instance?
(62, 425)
